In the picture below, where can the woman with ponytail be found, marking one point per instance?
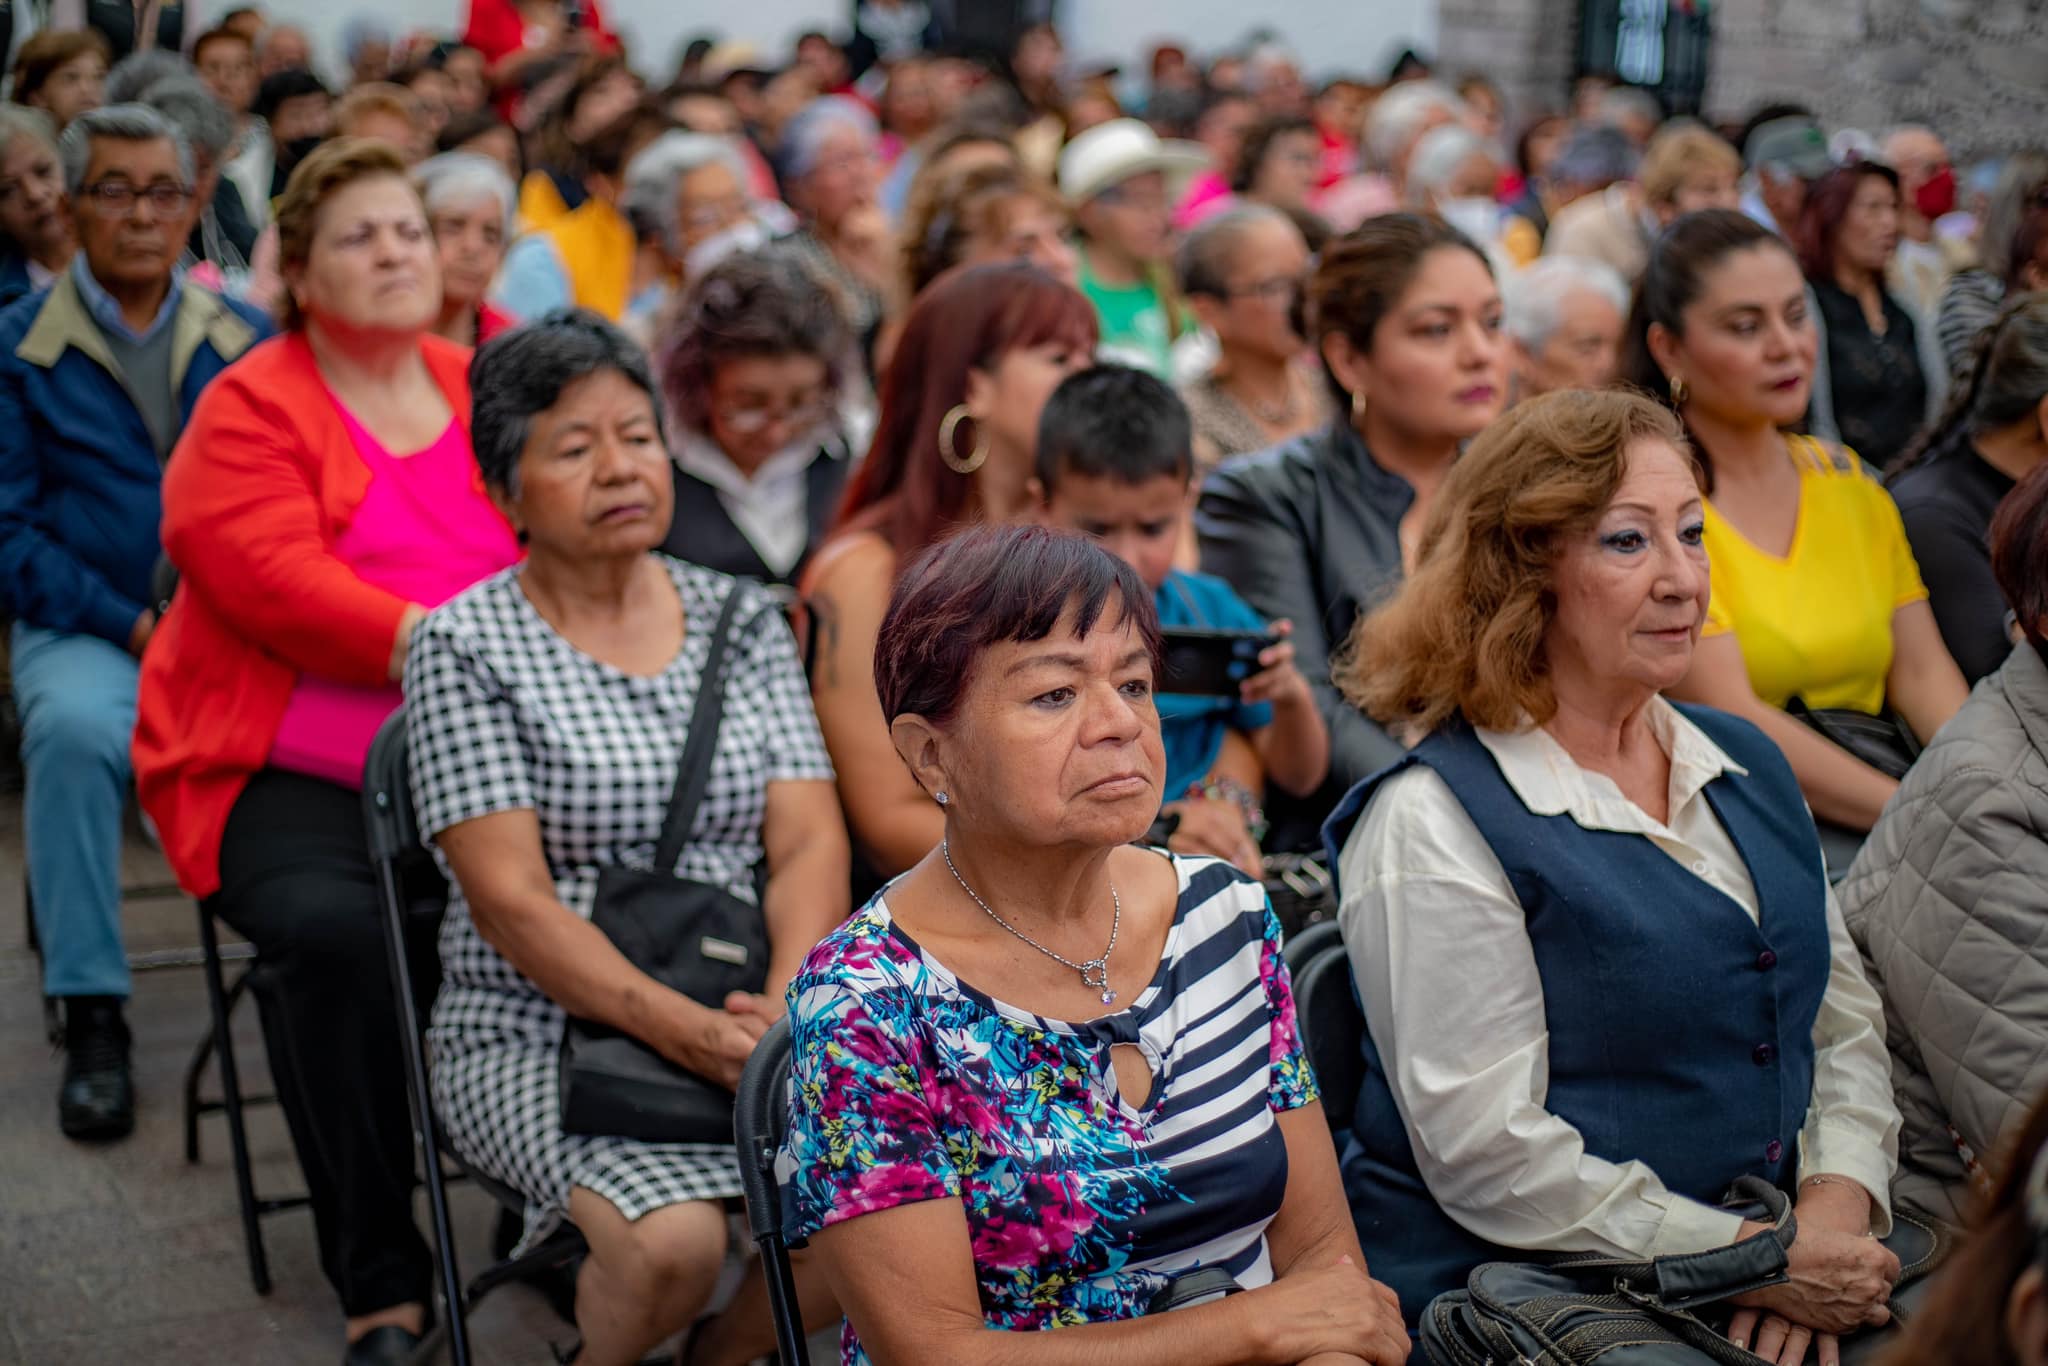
(1818, 607)
(1949, 483)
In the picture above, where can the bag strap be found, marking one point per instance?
(693, 770)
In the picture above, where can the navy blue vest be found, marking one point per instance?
(1681, 1034)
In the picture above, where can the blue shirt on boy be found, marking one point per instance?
(1192, 727)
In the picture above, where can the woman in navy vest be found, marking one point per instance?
(752, 370)
(1602, 972)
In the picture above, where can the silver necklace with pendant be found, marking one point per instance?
(1094, 972)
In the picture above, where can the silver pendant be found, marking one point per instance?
(1095, 976)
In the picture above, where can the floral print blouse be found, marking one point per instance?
(909, 1084)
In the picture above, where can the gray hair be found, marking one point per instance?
(1206, 253)
(122, 123)
(803, 138)
(1624, 100)
(18, 120)
(1439, 155)
(649, 197)
(1400, 111)
(1533, 300)
(521, 374)
(138, 71)
(454, 178)
(2023, 178)
(192, 108)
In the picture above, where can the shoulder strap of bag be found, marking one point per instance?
(693, 771)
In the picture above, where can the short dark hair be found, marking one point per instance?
(989, 584)
(220, 33)
(1111, 421)
(752, 304)
(2019, 554)
(1259, 141)
(280, 86)
(520, 374)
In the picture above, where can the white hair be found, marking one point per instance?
(1438, 156)
(649, 196)
(1400, 111)
(1533, 301)
(1625, 100)
(454, 178)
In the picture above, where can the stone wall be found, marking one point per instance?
(1977, 70)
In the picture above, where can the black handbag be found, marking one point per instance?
(1581, 1310)
(698, 939)
(1884, 742)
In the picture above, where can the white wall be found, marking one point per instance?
(1329, 35)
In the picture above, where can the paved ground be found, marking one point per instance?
(125, 1254)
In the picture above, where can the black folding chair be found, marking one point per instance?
(1332, 1028)
(760, 1120)
(1312, 939)
(412, 897)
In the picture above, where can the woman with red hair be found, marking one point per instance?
(983, 348)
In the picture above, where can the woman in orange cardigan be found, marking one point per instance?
(322, 499)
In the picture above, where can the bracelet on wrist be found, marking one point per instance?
(1217, 789)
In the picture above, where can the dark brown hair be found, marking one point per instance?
(1364, 273)
(968, 319)
(987, 585)
(972, 204)
(1681, 259)
(41, 55)
(327, 170)
(2019, 553)
(1963, 1319)
(1258, 141)
(1463, 635)
(748, 305)
(1827, 204)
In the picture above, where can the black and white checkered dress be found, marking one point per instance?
(504, 714)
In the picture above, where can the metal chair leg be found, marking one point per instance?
(231, 1102)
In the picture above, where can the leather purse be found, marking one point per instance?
(1581, 1310)
(693, 937)
(1884, 742)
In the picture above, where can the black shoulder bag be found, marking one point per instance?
(1587, 1309)
(698, 939)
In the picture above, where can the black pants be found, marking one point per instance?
(296, 882)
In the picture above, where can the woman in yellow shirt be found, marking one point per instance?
(1815, 593)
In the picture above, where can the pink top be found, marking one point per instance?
(1205, 194)
(422, 531)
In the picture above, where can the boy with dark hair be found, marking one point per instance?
(1115, 460)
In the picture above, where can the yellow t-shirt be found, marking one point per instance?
(1817, 624)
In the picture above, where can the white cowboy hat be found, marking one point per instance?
(1111, 153)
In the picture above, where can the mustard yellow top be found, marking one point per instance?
(1817, 624)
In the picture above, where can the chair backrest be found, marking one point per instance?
(1302, 947)
(1332, 1029)
(399, 854)
(760, 1120)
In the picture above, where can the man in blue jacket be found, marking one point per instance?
(97, 376)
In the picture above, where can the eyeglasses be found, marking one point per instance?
(1273, 291)
(748, 421)
(118, 196)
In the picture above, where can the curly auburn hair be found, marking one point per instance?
(1463, 635)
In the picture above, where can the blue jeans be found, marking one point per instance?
(77, 700)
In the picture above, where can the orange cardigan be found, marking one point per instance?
(263, 479)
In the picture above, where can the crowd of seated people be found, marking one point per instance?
(1615, 514)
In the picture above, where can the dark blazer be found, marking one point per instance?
(703, 533)
(1309, 530)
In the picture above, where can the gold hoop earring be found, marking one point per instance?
(949, 453)
(1678, 391)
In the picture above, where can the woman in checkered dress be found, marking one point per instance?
(548, 708)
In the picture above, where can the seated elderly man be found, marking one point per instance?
(98, 374)
(1565, 315)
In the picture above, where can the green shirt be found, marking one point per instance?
(1133, 320)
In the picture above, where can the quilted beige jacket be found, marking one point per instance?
(1949, 903)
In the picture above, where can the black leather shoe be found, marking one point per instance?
(386, 1346)
(97, 1100)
